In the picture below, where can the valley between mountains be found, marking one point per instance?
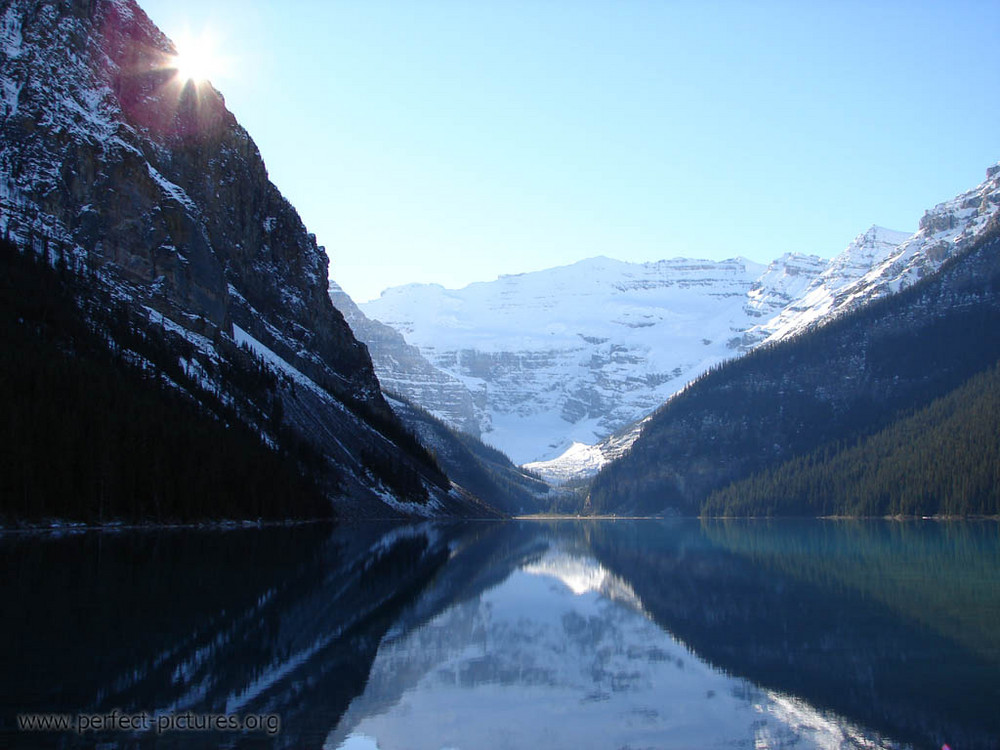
(177, 350)
(559, 368)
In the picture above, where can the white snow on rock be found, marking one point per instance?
(557, 361)
(880, 262)
(579, 460)
(278, 364)
(572, 354)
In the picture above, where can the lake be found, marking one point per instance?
(521, 634)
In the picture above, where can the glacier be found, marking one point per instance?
(562, 364)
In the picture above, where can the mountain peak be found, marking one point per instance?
(146, 187)
(573, 353)
(561, 357)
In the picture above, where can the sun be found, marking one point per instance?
(197, 59)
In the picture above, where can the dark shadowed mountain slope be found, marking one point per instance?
(148, 188)
(841, 382)
(944, 459)
(484, 471)
(92, 436)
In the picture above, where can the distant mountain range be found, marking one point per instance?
(560, 364)
(888, 409)
(153, 270)
(574, 353)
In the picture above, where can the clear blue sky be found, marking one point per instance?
(451, 141)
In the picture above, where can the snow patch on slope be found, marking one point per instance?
(571, 354)
(241, 337)
(584, 461)
(579, 460)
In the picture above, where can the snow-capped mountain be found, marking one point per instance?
(805, 303)
(792, 294)
(572, 354)
(881, 262)
(560, 360)
(145, 186)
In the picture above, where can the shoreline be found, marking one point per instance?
(65, 528)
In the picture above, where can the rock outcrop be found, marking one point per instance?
(403, 370)
(147, 184)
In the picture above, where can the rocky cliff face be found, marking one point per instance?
(403, 370)
(153, 180)
(111, 162)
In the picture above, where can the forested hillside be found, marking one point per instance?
(94, 434)
(832, 386)
(944, 459)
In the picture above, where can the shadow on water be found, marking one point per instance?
(891, 626)
(277, 620)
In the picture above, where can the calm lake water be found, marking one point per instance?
(604, 634)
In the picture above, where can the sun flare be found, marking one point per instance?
(197, 59)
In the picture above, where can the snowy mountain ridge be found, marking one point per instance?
(558, 360)
(575, 353)
(810, 303)
(881, 261)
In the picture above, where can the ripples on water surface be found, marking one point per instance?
(638, 634)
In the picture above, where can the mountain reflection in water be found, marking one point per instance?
(672, 634)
